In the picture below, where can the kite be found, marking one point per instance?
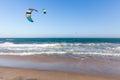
(44, 11)
(29, 12)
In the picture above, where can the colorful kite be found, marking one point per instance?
(29, 12)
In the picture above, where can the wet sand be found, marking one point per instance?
(69, 69)
(32, 74)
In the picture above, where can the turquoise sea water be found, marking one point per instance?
(63, 47)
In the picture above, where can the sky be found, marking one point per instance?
(64, 18)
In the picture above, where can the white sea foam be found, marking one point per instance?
(9, 44)
(117, 48)
(97, 49)
(54, 44)
(99, 54)
(33, 53)
(62, 53)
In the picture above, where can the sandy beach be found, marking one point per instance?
(30, 73)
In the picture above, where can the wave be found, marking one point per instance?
(27, 45)
(116, 48)
(43, 46)
(65, 49)
(55, 44)
(64, 54)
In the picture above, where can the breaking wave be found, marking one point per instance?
(61, 49)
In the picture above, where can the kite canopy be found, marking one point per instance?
(44, 11)
(29, 12)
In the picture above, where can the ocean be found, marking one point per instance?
(96, 56)
(61, 47)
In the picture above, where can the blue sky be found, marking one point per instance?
(64, 18)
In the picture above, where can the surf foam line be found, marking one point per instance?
(63, 54)
(55, 44)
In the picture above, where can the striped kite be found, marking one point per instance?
(29, 12)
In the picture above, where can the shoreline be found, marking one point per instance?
(7, 73)
(54, 68)
(38, 58)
